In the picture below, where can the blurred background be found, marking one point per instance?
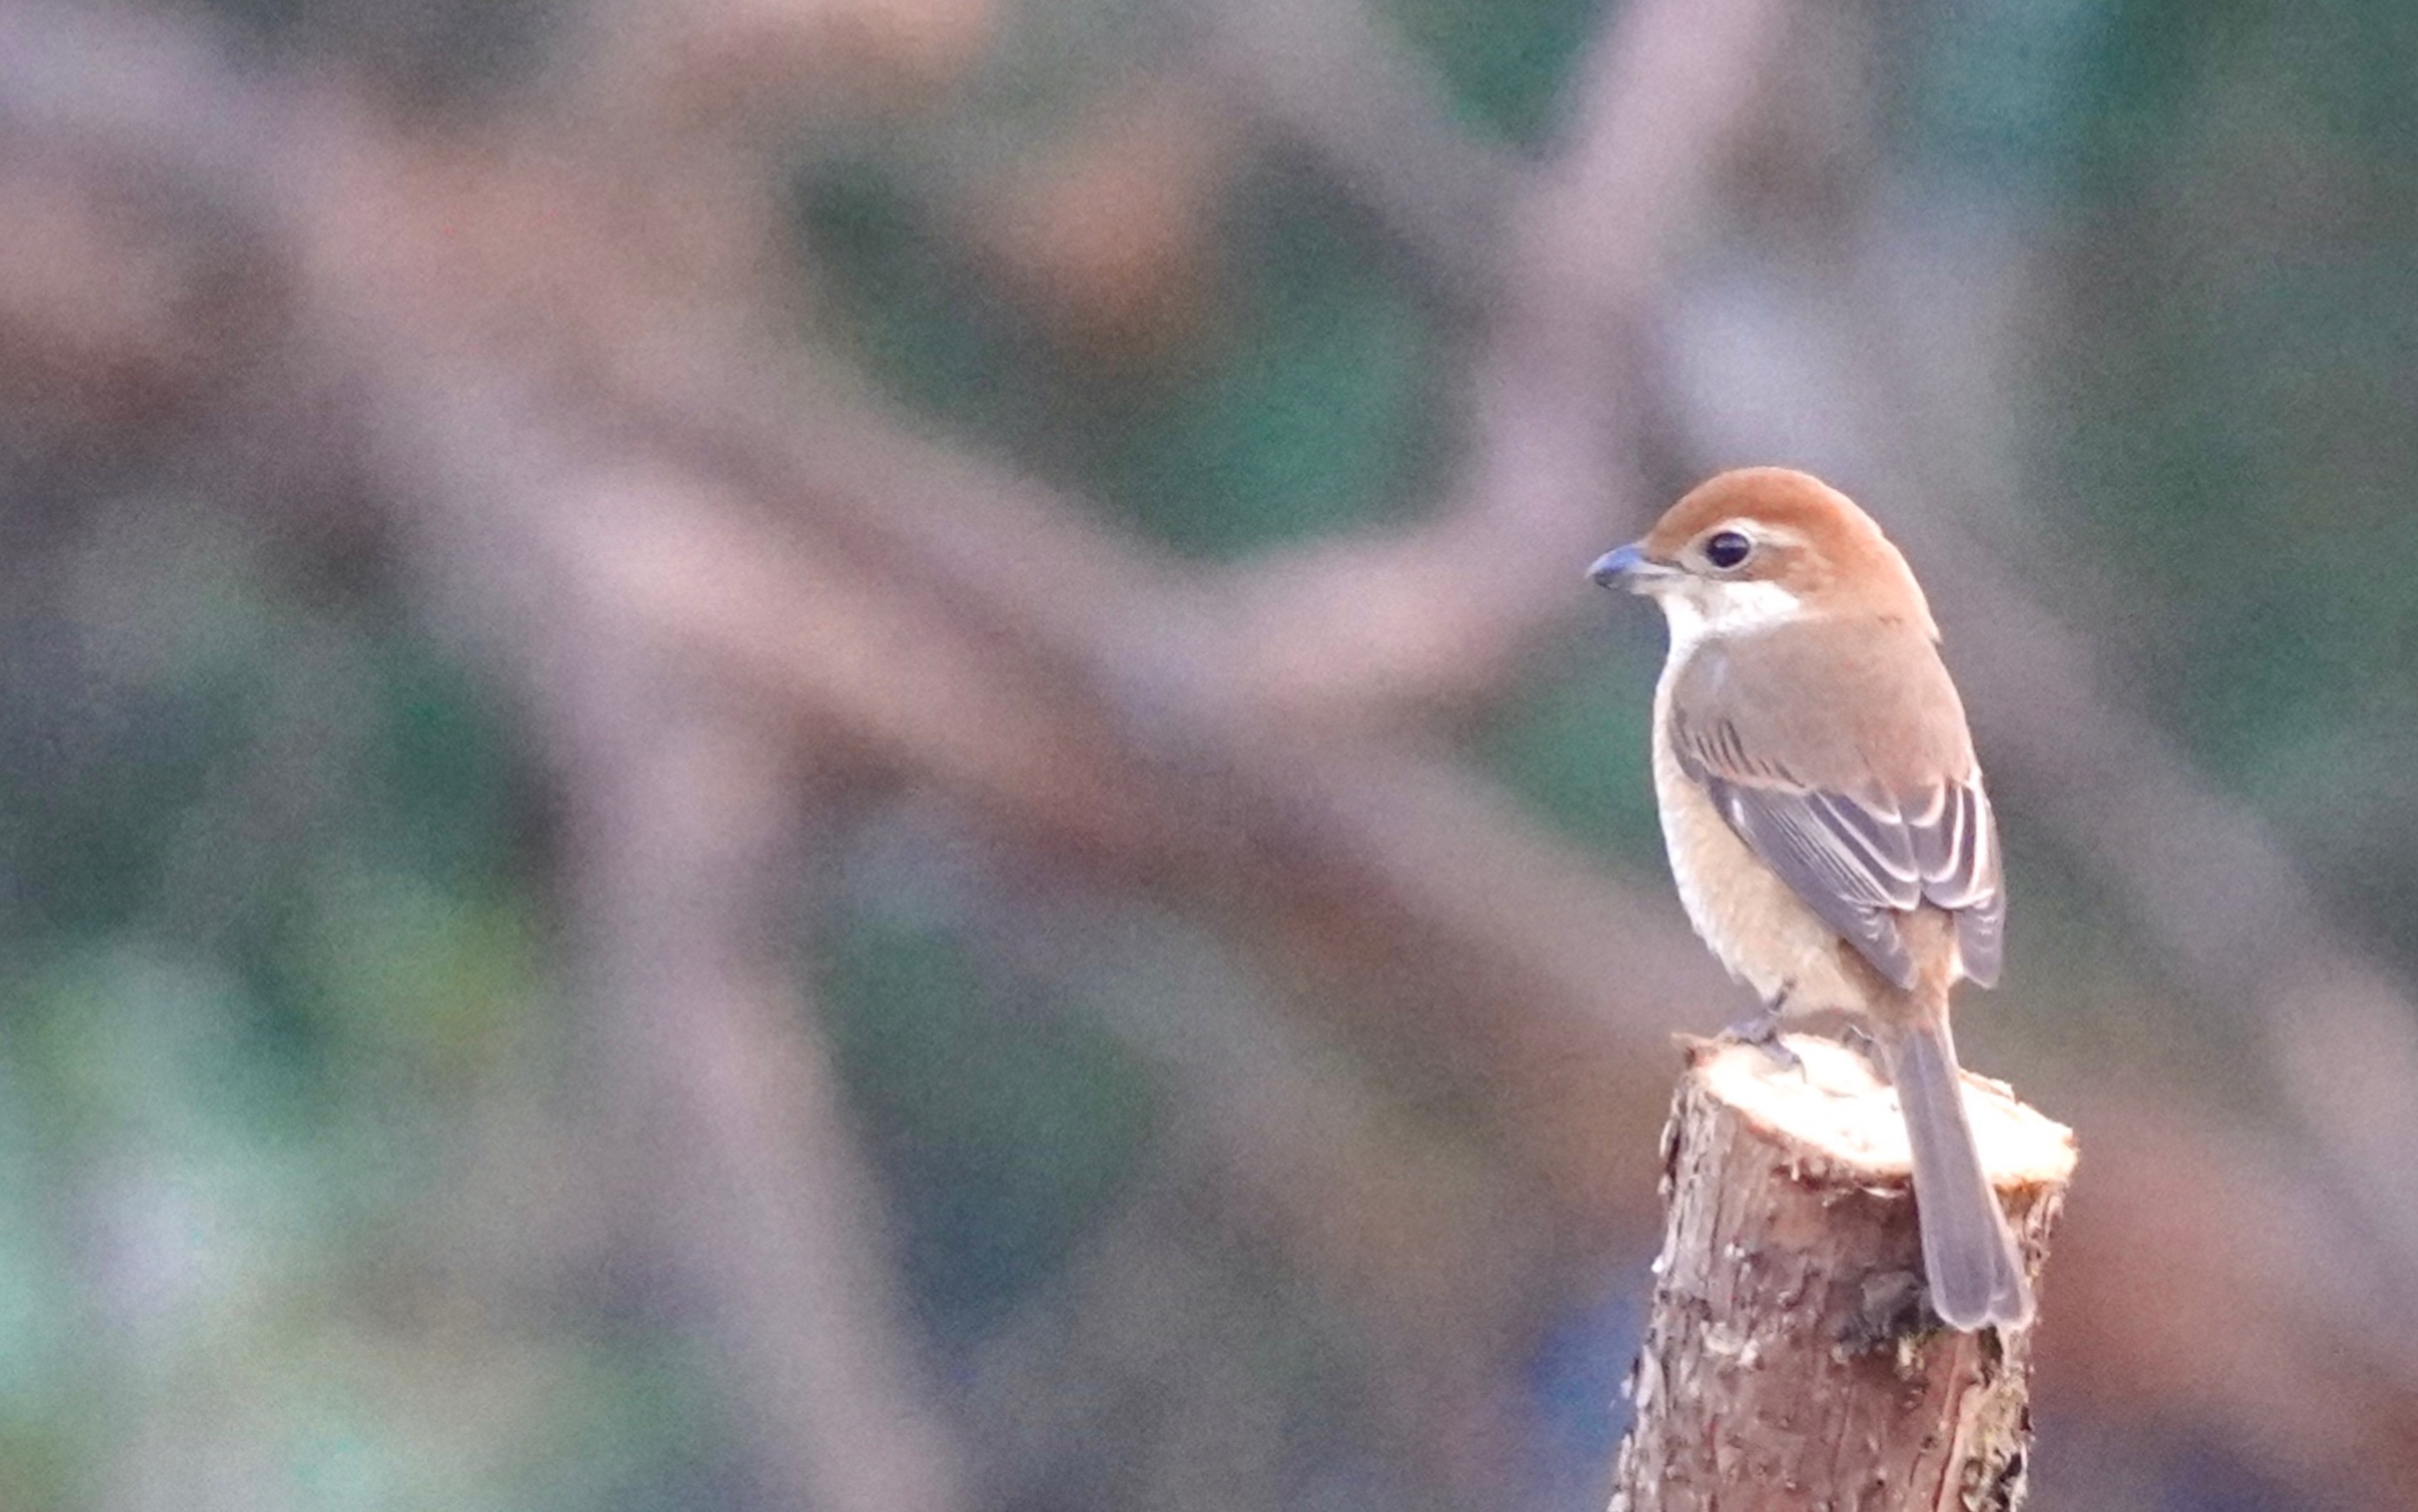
(849, 753)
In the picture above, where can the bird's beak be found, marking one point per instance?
(1629, 567)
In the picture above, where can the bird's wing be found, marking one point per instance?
(1956, 850)
(1792, 780)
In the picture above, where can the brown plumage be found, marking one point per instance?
(1826, 818)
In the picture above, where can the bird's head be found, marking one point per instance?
(1761, 546)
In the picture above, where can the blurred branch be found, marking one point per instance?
(685, 810)
(752, 1174)
(1437, 1340)
(1363, 631)
(1138, 1327)
(1328, 74)
(476, 316)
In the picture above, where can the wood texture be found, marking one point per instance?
(1789, 1363)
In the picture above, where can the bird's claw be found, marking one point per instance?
(1763, 1033)
(1860, 1039)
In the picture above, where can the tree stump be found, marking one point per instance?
(1790, 1364)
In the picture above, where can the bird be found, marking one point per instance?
(1824, 815)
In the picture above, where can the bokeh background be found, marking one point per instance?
(848, 754)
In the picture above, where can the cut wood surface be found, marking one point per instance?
(1789, 1361)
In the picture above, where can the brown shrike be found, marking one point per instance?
(1824, 815)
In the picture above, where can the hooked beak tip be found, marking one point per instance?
(1618, 566)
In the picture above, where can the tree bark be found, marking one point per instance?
(1790, 1364)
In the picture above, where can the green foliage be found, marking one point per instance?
(2230, 408)
(1505, 62)
(274, 982)
(101, 774)
(1314, 415)
(1310, 409)
(1577, 749)
(1004, 1125)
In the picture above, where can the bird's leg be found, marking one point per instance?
(1763, 1032)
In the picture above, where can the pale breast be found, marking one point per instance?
(1754, 924)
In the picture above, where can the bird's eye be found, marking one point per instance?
(1727, 548)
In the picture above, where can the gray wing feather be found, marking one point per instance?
(1981, 939)
(1794, 833)
(1858, 861)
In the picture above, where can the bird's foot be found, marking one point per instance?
(1860, 1040)
(1763, 1033)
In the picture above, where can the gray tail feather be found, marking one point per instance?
(1968, 1254)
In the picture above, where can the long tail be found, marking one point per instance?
(1967, 1253)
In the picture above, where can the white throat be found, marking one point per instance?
(1700, 611)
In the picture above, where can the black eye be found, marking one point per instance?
(1727, 548)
